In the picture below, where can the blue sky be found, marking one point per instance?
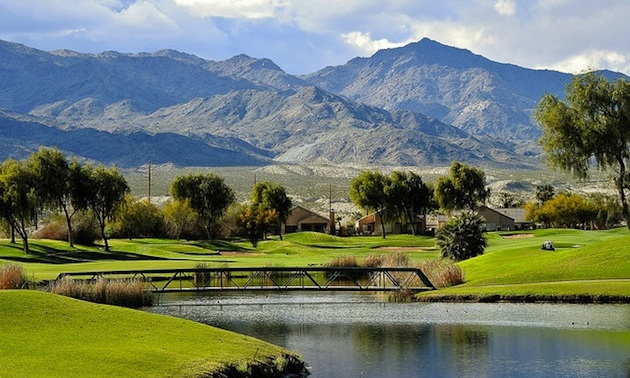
(302, 36)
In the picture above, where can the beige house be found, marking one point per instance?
(518, 214)
(495, 220)
(302, 219)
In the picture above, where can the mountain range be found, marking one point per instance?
(424, 104)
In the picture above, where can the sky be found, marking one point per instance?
(303, 36)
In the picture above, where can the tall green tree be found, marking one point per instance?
(208, 195)
(255, 220)
(106, 192)
(178, 215)
(593, 124)
(464, 188)
(139, 218)
(409, 197)
(19, 201)
(272, 196)
(367, 191)
(60, 185)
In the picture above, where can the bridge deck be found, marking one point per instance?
(269, 279)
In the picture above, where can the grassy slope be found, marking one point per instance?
(584, 263)
(47, 335)
(49, 258)
(510, 266)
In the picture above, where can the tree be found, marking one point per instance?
(255, 220)
(462, 237)
(409, 197)
(59, 185)
(106, 192)
(179, 215)
(544, 193)
(208, 195)
(368, 192)
(564, 210)
(272, 196)
(18, 198)
(508, 200)
(139, 218)
(591, 125)
(465, 188)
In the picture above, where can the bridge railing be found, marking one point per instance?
(269, 278)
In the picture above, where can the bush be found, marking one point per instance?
(84, 227)
(442, 272)
(373, 261)
(462, 237)
(127, 293)
(345, 261)
(397, 260)
(12, 276)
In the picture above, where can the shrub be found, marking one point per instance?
(373, 261)
(397, 260)
(127, 293)
(345, 261)
(442, 272)
(462, 237)
(84, 227)
(12, 276)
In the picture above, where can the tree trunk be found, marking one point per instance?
(382, 224)
(621, 187)
(69, 223)
(280, 229)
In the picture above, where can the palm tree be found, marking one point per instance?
(462, 237)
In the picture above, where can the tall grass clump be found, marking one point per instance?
(397, 260)
(373, 261)
(200, 277)
(12, 276)
(442, 272)
(126, 293)
(344, 261)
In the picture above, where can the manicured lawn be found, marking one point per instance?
(584, 262)
(45, 335)
(595, 263)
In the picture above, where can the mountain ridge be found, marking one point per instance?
(421, 104)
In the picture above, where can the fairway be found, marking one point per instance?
(585, 263)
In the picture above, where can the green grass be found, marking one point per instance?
(585, 262)
(46, 335)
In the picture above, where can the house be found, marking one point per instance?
(436, 222)
(518, 214)
(496, 220)
(371, 225)
(302, 219)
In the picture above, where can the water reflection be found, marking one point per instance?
(346, 335)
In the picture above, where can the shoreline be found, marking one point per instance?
(528, 298)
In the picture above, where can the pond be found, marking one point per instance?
(363, 335)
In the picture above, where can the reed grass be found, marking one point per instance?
(126, 293)
(442, 272)
(12, 276)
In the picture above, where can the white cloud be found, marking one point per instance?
(505, 7)
(364, 42)
(304, 35)
(595, 59)
(248, 9)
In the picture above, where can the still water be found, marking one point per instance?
(362, 335)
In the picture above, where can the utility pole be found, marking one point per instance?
(331, 212)
(149, 182)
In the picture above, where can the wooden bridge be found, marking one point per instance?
(268, 279)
